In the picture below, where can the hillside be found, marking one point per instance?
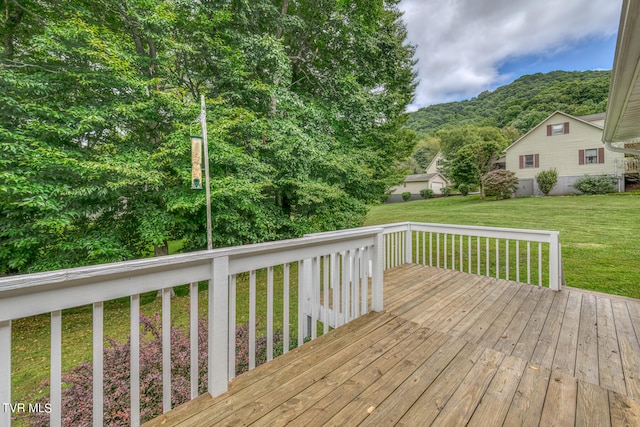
(521, 104)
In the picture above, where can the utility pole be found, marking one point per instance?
(203, 122)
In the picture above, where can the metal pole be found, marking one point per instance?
(203, 122)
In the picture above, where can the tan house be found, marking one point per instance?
(571, 145)
(434, 166)
(417, 182)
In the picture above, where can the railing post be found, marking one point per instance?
(554, 262)
(408, 245)
(377, 281)
(305, 291)
(5, 373)
(218, 306)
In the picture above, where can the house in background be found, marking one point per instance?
(431, 178)
(414, 183)
(434, 165)
(571, 145)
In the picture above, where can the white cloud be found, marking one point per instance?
(462, 43)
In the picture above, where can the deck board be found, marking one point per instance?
(587, 355)
(451, 349)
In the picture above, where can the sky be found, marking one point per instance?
(464, 47)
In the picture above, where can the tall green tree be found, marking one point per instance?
(306, 108)
(473, 161)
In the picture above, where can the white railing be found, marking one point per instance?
(321, 262)
(527, 256)
(337, 277)
(628, 165)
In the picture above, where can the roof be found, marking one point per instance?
(593, 117)
(420, 177)
(551, 115)
(623, 111)
(435, 159)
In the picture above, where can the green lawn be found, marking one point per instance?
(598, 234)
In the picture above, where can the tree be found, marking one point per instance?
(473, 161)
(425, 151)
(306, 108)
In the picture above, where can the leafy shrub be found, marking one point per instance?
(406, 196)
(463, 189)
(599, 184)
(426, 193)
(547, 180)
(77, 393)
(446, 191)
(500, 183)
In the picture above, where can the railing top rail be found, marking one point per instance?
(513, 233)
(32, 294)
(167, 262)
(535, 235)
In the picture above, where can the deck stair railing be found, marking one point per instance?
(321, 280)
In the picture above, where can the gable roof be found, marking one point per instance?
(437, 157)
(549, 117)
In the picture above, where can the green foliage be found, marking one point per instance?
(426, 193)
(597, 184)
(305, 123)
(445, 191)
(463, 189)
(547, 180)
(473, 161)
(406, 196)
(521, 104)
(425, 151)
(500, 183)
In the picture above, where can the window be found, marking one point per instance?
(529, 161)
(591, 156)
(558, 129)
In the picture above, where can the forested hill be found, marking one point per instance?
(521, 104)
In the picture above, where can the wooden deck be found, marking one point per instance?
(450, 349)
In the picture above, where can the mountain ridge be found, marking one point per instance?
(520, 104)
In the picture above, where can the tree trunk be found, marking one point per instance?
(161, 250)
(12, 20)
(273, 105)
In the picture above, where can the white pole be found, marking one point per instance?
(203, 121)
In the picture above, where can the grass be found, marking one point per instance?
(598, 233)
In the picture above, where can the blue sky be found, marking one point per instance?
(465, 47)
(589, 53)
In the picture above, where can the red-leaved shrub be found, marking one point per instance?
(77, 394)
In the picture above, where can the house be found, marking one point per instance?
(572, 145)
(417, 182)
(431, 178)
(435, 164)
